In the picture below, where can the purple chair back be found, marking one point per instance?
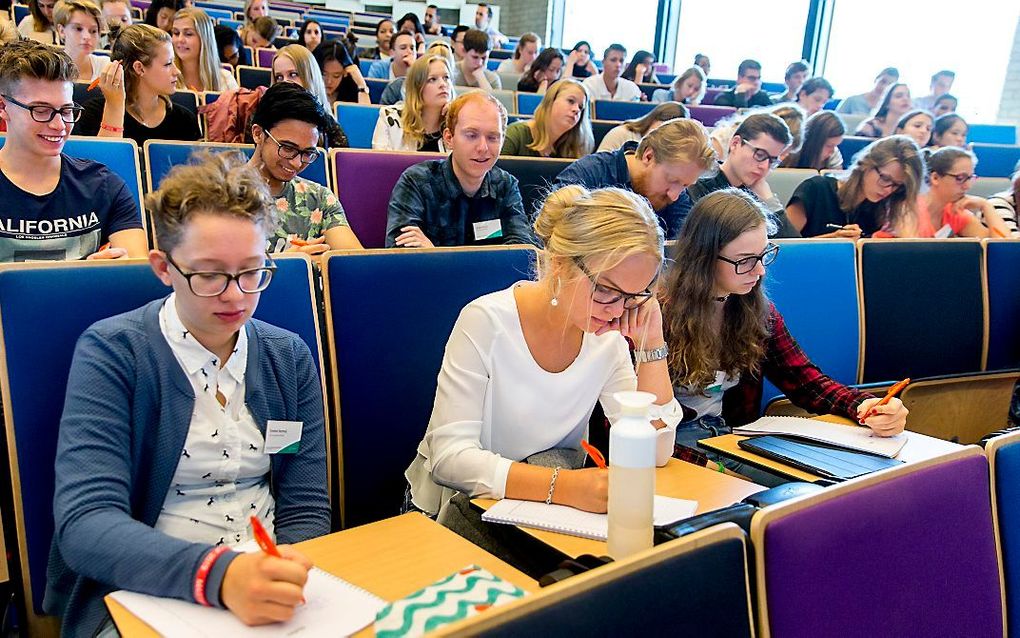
(905, 552)
(710, 95)
(266, 58)
(709, 115)
(364, 182)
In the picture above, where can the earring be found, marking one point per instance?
(556, 292)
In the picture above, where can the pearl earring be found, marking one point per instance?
(555, 301)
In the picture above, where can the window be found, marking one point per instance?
(604, 22)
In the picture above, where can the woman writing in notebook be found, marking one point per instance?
(525, 366)
(725, 336)
(162, 456)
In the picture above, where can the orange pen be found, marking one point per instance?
(297, 241)
(999, 233)
(893, 391)
(266, 543)
(594, 454)
(94, 83)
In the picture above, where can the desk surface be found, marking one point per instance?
(919, 447)
(390, 558)
(678, 479)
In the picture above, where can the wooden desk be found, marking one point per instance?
(919, 447)
(390, 558)
(678, 479)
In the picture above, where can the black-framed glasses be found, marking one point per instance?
(206, 283)
(289, 152)
(45, 114)
(886, 181)
(747, 264)
(961, 178)
(607, 295)
(761, 155)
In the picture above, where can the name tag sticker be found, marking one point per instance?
(489, 229)
(283, 437)
(944, 233)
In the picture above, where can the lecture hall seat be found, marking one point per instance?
(1004, 465)
(1002, 268)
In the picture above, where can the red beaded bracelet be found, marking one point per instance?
(111, 128)
(203, 574)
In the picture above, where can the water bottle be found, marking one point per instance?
(632, 442)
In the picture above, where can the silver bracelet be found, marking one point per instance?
(647, 356)
(552, 485)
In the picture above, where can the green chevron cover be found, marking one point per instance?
(460, 595)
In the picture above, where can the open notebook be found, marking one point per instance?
(334, 607)
(567, 520)
(861, 439)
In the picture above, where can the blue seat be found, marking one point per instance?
(996, 160)
(991, 133)
(20, 11)
(666, 78)
(186, 99)
(528, 102)
(492, 64)
(38, 340)
(358, 121)
(1004, 461)
(365, 65)
(1002, 265)
(215, 14)
(534, 176)
(375, 89)
(814, 286)
(609, 110)
(384, 392)
(851, 145)
(161, 156)
(233, 24)
(251, 77)
(773, 87)
(599, 128)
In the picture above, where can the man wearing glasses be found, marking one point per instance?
(754, 151)
(747, 92)
(286, 127)
(55, 207)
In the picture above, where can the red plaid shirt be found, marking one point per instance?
(786, 366)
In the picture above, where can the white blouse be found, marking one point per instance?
(389, 131)
(495, 404)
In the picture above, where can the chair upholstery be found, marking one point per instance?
(358, 121)
(610, 110)
(903, 552)
(509, 81)
(185, 99)
(599, 128)
(996, 160)
(506, 97)
(376, 86)
(709, 115)
(710, 95)
(991, 133)
(962, 408)
(534, 175)
(923, 307)
(1004, 464)
(161, 156)
(784, 181)
(988, 186)
(364, 181)
(851, 145)
(1003, 272)
(384, 385)
(265, 58)
(528, 102)
(251, 77)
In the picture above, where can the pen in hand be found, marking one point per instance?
(595, 455)
(893, 391)
(266, 543)
(835, 226)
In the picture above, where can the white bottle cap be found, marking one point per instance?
(634, 403)
(632, 439)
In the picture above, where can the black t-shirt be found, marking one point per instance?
(178, 124)
(527, 85)
(719, 181)
(431, 142)
(819, 197)
(581, 71)
(348, 90)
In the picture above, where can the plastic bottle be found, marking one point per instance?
(632, 442)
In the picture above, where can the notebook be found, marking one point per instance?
(861, 439)
(568, 520)
(829, 462)
(334, 607)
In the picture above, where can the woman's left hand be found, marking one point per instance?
(887, 420)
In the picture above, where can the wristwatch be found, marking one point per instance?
(646, 356)
(362, 89)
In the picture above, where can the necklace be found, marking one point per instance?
(721, 299)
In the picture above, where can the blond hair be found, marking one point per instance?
(793, 115)
(412, 120)
(680, 140)
(211, 183)
(247, 7)
(308, 69)
(137, 43)
(208, 56)
(65, 9)
(575, 143)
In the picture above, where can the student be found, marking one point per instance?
(1005, 205)
(195, 53)
(865, 103)
(608, 85)
(794, 77)
(160, 14)
(813, 95)
(117, 15)
(701, 60)
(945, 209)
(748, 91)
(543, 72)
(634, 130)
(579, 63)
(725, 336)
(457, 40)
(287, 127)
(941, 83)
(79, 25)
(383, 33)
(641, 69)
(294, 63)
(471, 70)
(416, 123)
(135, 103)
(524, 54)
(823, 133)
(310, 34)
(253, 10)
(463, 200)
(403, 53)
(394, 91)
(789, 112)
(916, 125)
(561, 127)
(688, 88)
(55, 207)
(483, 22)
(147, 392)
(755, 149)
(38, 24)
(262, 33)
(894, 105)
(341, 76)
(881, 185)
(949, 130)
(433, 25)
(660, 168)
(525, 366)
(409, 23)
(944, 103)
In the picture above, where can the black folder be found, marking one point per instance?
(828, 461)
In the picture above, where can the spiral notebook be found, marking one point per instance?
(567, 520)
(334, 607)
(860, 439)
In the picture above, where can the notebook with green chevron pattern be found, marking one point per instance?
(460, 595)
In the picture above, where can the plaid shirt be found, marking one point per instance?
(786, 366)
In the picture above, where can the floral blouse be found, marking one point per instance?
(305, 209)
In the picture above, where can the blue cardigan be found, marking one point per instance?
(127, 413)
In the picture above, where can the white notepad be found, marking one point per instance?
(334, 607)
(568, 520)
(855, 438)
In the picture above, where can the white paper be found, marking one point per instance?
(489, 229)
(849, 436)
(283, 436)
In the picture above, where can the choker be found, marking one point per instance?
(721, 299)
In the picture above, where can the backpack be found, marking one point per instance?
(228, 117)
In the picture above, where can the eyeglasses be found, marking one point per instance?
(288, 151)
(747, 264)
(761, 155)
(885, 181)
(45, 114)
(607, 295)
(961, 178)
(213, 284)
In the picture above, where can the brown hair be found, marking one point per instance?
(662, 113)
(267, 27)
(525, 39)
(680, 140)
(137, 43)
(36, 61)
(897, 148)
(477, 41)
(66, 8)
